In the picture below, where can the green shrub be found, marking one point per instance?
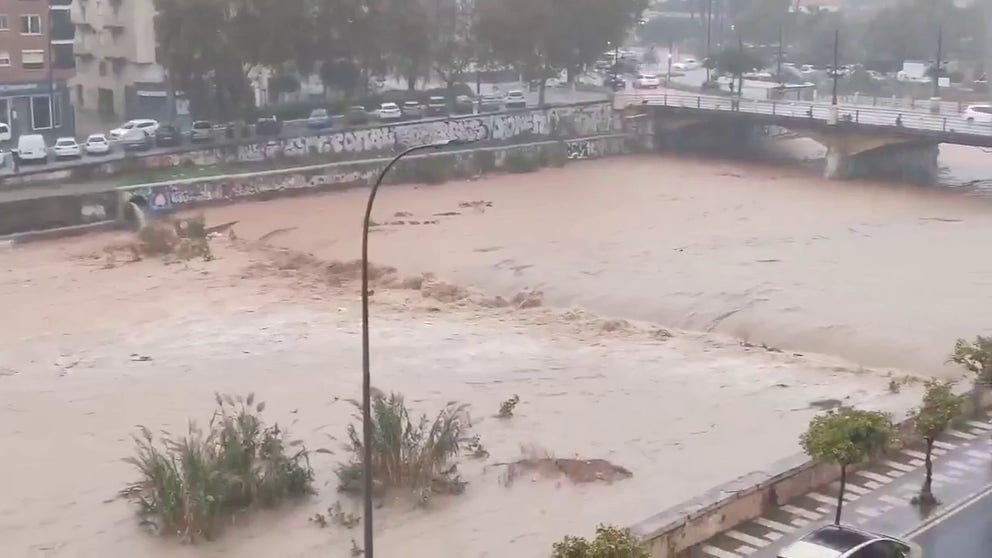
(407, 453)
(610, 542)
(188, 486)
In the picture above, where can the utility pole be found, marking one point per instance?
(778, 71)
(836, 69)
(938, 64)
(709, 37)
(668, 79)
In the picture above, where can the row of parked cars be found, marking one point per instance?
(411, 110)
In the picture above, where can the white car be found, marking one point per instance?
(389, 111)
(4, 131)
(65, 148)
(978, 113)
(144, 124)
(839, 541)
(647, 81)
(687, 64)
(515, 100)
(97, 144)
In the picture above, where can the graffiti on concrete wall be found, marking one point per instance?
(167, 197)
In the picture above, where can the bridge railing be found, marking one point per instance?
(847, 113)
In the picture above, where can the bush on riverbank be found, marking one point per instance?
(187, 486)
(610, 542)
(407, 453)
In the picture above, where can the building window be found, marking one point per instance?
(56, 105)
(30, 25)
(41, 112)
(103, 67)
(4, 59)
(3, 22)
(33, 59)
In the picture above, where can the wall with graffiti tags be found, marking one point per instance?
(561, 122)
(166, 197)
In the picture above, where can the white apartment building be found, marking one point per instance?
(117, 73)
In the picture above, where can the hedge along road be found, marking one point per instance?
(291, 129)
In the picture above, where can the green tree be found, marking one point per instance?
(610, 542)
(847, 437)
(976, 357)
(940, 408)
(735, 61)
(408, 31)
(454, 48)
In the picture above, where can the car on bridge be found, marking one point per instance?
(978, 113)
(841, 541)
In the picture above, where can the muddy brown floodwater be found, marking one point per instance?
(847, 285)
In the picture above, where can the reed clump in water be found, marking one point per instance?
(407, 453)
(188, 485)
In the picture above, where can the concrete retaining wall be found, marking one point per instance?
(57, 212)
(423, 168)
(560, 122)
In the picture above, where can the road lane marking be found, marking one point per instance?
(746, 539)
(874, 476)
(896, 465)
(893, 500)
(914, 453)
(953, 510)
(857, 489)
(962, 435)
(822, 498)
(718, 552)
(774, 525)
(801, 512)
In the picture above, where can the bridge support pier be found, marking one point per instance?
(908, 162)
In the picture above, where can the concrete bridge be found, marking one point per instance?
(861, 141)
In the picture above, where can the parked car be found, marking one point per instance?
(464, 105)
(647, 81)
(137, 139)
(978, 113)
(839, 541)
(490, 103)
(144, 124)
(268, 126)
(98, 144)
(168, 135)
(67, 148)
(201, 131)
(515, 100)
(616, 83)
(31, 148)
(412, 109)
(319, 118)
(437, 106)
(389, 112)
(4, 132)
(686, 65)
(356, 115)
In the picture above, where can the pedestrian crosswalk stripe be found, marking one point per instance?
(896, 465)
(893, 500)
(822, 498)
(746, 539)
(874, 476)
(801, 512)
(710, 550)
(772, 535)
(857, 489)
(774, 525)
(962, 435)
(940, 477)
(963, 467)
(982, 425)
(799, 521)
(944, 445)
(914, 453)
(938, 451)
(746, 550)
(984, 455)
(870, 512)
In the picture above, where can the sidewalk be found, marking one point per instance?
(877, 498)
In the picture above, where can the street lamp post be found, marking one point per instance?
(836, 70)
(366, 374)
(709, 38)
(937, 65)
(668, 78)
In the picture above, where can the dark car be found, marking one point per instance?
(437, 106)
(168, 135)
(201, 131)
(268, 126)
(464, 105)
(356, 115)
(615, 83)
(319, 118)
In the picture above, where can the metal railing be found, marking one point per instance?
(892, 117)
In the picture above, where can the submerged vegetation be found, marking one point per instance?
(187, 486)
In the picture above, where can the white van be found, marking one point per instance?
(4, 132)
(31, 147)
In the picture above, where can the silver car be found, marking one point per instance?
(840, 541)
